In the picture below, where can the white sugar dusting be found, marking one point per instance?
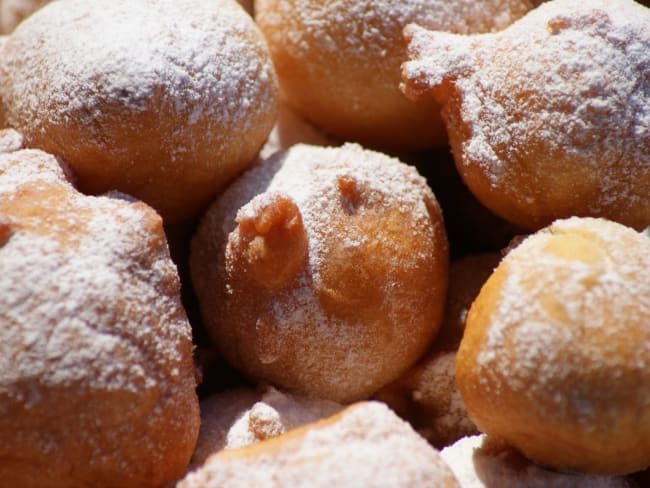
(311, 177)
(569, 81)
(196, 58)
(10, 141)
(276, 413)
(374, 25)
(366, 445)
(558, 318)
(18, 167)
(481, 462)
(90, 307)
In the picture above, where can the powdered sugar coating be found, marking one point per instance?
(365, 445)
(96, 378)
(242, 417)
(320, 323)
(192, 78)
(550, 117)
(481, 462)
(428, 398)
(30, 166)
(10, 141)
(557, 346)
(338, 61)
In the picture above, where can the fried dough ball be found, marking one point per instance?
(97, 384)
(549, 117)
(168, 104)
(555, 352)
(338, 62)
(364, 445)
(483, 462)
(427, 395)
(323, 271)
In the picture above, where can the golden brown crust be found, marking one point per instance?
(135, 110)
(536, 139)
(427, 395)
(553, 357)
(338, 62)
(323, 270)
(96, 375)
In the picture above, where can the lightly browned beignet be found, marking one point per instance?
(554, 359)
(548, 118)
(364, 445)
(170, 102)
(323, 271)
(338, 62)
(97, 384)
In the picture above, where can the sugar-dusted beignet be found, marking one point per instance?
(550, 117)
(554, 359)
(165, 100)
(97, 384)
(323, 270)
(364, 445)
(338, 62)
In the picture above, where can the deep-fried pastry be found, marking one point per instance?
(170, 102)
(554, 355)
(323, 271)
(96, 375)
(364, 445)
(548, 118)
(338, 62)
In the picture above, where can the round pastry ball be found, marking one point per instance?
(364, 445)
(339, 62)
(323, 270)
(97, 384)
(166, 100)
(548, 118)
(554, 356)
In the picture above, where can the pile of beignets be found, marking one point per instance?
(321, 243)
